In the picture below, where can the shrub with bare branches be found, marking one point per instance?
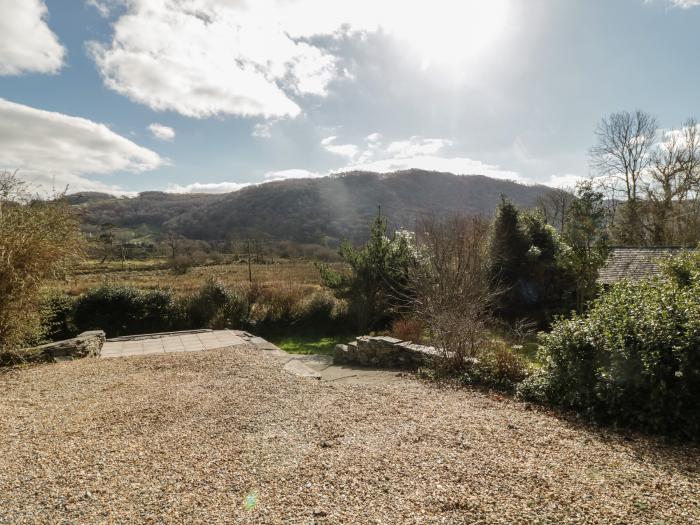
(408, 329)
(452, 291)
(38, 239)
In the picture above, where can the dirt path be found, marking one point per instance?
(226, 436)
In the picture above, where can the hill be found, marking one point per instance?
(307, 210)
(85, 197)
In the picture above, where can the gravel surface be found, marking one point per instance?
(228, 437)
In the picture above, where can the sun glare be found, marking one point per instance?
(453, 33)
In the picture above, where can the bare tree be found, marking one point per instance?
(554, 205)
(10, 186)
(673, 182)
(173, 242)
(107, 239)
(623, 156)
(450, 285)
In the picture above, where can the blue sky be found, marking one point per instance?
(211, 95)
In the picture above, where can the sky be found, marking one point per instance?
(213, 95)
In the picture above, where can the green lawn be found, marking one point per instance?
(306, 344)
(310, 344)
(528, 351)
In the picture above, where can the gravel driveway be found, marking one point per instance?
(225, 436)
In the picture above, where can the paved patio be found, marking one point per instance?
(312, 366)
(194, 341)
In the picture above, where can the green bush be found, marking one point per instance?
(528, 261)
(497, 366)
(207, 308)
(378, 278)
(122, 310)
(317, 312)
(633, 360)
(159, 311)
(236, 310)
(57, 310)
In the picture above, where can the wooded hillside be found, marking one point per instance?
(310, 210)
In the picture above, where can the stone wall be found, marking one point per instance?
(87, 344)
(383, 352)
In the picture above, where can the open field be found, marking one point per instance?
(228, 437)
(154, 274)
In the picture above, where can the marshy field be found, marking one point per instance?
(148, 274)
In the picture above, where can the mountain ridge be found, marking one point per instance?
(307, 210)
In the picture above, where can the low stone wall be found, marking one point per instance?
(87, 344)
(383, 352)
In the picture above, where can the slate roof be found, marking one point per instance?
(634, 263)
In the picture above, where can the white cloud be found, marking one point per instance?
(55, 149)
(678, 137)
(263, 130)
(27, 44)
(227, 187)
(161, 132)
(680, 4)
(417, 146)
(203, 58)
(273, 176)
(419, 153)
(105, 7)
(443, 31)
(207, 187)
(416, 152)
(568, 180)
(456, 165)
(344, 150)
(102, 6)
(684, 4)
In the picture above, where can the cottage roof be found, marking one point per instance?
(634, 263)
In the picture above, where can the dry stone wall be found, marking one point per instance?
(383, 352)
(87, 344)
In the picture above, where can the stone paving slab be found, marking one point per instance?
(200, 340)
(180, 342)
(298, 368)
(350, 374)
(309, 366)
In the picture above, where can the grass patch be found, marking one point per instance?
(528, 351)
(23, 356)
(297, 344)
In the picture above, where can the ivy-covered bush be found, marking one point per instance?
(634, 359)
